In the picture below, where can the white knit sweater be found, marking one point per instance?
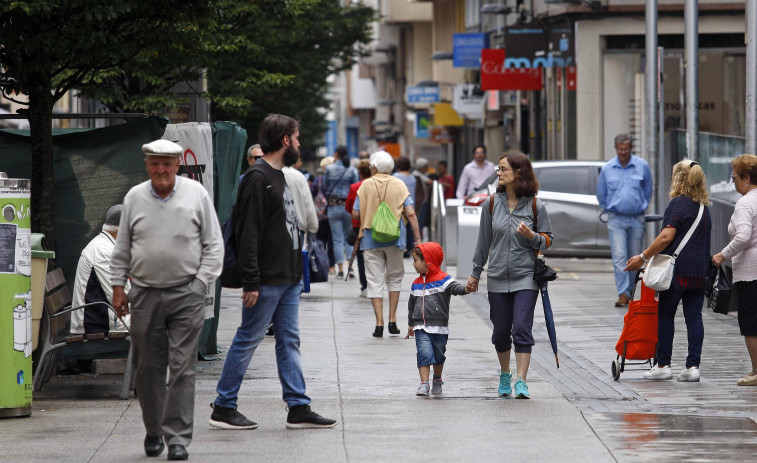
(742, 250)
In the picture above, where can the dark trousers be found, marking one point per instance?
(410, 238)
(361, 271)
(513, 317)
(692, 311)
(324, 235)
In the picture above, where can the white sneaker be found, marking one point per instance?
(659, 374)
(689, 375)
(423, 390)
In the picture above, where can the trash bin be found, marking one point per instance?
(468, 223)
(15, 298)
(39, 272)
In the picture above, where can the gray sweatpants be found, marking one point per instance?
(165, 331)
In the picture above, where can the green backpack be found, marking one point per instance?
(385, 226)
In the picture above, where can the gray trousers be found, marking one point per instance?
(165, 332)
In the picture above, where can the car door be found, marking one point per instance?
(572, 205)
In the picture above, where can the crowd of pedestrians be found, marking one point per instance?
(374, 209)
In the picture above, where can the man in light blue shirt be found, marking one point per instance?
(624, 189)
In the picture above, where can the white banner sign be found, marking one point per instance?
(468, 100)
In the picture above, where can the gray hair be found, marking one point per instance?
(113, 218)
(622, 138)
(253, 147)
(382, 162)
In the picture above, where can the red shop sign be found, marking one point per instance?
(494, 76)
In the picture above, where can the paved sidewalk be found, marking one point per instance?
(577, 412)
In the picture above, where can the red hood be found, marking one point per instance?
(433, 254)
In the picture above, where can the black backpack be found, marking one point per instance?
(230, 276)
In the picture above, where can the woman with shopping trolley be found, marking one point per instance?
(687, 209)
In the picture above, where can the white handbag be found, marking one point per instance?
(659, 272)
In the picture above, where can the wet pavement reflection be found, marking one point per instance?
(666, 437)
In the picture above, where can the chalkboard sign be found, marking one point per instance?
(8, 247)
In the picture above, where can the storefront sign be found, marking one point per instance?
(445, 115)
(422, 123)
(529, 47)
(467, 49)
(496, 76)
(442, 135)
(422, 94)
(468, 100)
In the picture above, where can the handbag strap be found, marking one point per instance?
(690, 232)
(326, 175)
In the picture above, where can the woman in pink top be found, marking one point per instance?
(742, 250)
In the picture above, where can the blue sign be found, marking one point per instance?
(352, 141)
(422, 94)
(422, 123)
(467, 48)
(330, 138)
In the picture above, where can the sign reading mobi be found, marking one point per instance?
(495, 76)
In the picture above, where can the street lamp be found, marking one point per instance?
(442, 55)
(495, 8)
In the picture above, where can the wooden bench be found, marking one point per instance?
(54, 335)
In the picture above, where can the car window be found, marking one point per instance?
(566, 179)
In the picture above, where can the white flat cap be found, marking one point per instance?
(420, 163)
(162, 148)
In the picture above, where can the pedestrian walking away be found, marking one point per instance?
(170, 245)
(364, 169)
(624, 189)
(686, 213)
(428, 313)
(507, 240)
(270, 266)
(742, 250)
(338, 178)
(383, 259)
(475, 173)
(411, 182)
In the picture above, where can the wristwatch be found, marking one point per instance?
(643, 258)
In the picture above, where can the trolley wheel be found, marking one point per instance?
(615, 370)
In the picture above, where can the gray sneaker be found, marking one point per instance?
(423, 390)
(436, 386)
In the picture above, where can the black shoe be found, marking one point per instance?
(302, 417)
(229, 418)
(378, 332)
(269, 331)
(153, 446)
(393, 328)
(340, 275)
(177, 452)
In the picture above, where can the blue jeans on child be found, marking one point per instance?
(278, 304)
(692, 311)
(430, 348)
(626, 233)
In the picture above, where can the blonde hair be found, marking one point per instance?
(745, 166)
(689, 180)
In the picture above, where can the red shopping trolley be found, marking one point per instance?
(638, 340)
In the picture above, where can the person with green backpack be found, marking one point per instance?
(383, 206)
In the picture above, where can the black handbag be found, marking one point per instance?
(543, 272)
(719, 290)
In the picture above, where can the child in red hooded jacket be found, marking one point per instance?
(428, 313)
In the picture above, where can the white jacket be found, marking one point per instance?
(95, 256)
(307, 219)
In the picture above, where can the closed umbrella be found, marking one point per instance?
(549, 319)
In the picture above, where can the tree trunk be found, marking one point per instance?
(43, 187)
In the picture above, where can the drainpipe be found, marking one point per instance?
(691, 18)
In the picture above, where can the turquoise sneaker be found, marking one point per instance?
(521, 389)
(505, 384)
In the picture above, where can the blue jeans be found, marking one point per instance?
(692, 312)
(430, 348)
(340, 222)
(626, 239)
(280, 305)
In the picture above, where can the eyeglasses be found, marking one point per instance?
(501, 169)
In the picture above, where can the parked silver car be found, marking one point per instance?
(568, 190)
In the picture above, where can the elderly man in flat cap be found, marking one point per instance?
(170, 245)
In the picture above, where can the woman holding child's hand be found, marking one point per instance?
(508, 241)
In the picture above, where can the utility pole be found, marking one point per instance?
(751, 77)
(650, 113)
(691, 18)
